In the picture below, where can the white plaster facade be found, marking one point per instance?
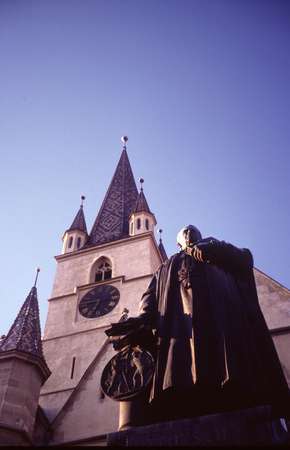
(274, 300)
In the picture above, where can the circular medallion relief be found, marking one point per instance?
(128, 373)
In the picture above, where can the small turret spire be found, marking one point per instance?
(36, 276)
(75, 237)
(79, 222)
(161, 246)
(141, 203)
(25, 334)
(142, 219)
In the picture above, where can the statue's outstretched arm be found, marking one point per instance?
(222, 254)
(136, 330)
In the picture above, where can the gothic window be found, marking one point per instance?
(70, 242)
(72, 367)
(147, 224)
(138, 224)
(103, 270)
(79, 242)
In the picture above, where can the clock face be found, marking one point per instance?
(99, 301)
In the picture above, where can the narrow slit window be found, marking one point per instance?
(98, 276)
(147, 224)
(107, 274)
(138, 224)
(79, 241)
(70, 242)
(73, 367)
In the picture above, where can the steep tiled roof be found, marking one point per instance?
(112, 222)
(25, 334)
(79, 222)
(141, 203)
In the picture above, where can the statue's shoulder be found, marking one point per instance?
(170, 261)
(173, 258)
(208, 240)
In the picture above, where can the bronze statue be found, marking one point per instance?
(201, 320)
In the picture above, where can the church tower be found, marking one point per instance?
(23, 370)
(98, 276)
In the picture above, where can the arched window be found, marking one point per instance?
(147, 224)
(103, 270)
(79, 241)
(70, 242)
(138, 224)
(132, 227)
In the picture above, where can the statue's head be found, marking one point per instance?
(187, 236)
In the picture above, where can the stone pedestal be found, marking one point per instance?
(246, 427)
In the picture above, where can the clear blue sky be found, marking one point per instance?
(202, 89)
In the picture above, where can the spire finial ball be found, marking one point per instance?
(141, 181)
(160, 230)
(36, 276)
(124, 139)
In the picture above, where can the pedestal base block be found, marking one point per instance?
(246, 427)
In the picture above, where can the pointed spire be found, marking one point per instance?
(141, 202)
(112, 222)
(161, 246)
(25, 334)
(79, 222)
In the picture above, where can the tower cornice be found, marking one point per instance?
(124, 241)
(38, 362)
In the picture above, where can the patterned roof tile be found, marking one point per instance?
(141, 203)
(79, 222)
(25, 334)
(112, 222)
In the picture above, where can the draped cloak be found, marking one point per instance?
(209, 326)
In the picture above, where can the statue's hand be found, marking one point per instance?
(119, 342)
(197, 252)
(125, 327)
